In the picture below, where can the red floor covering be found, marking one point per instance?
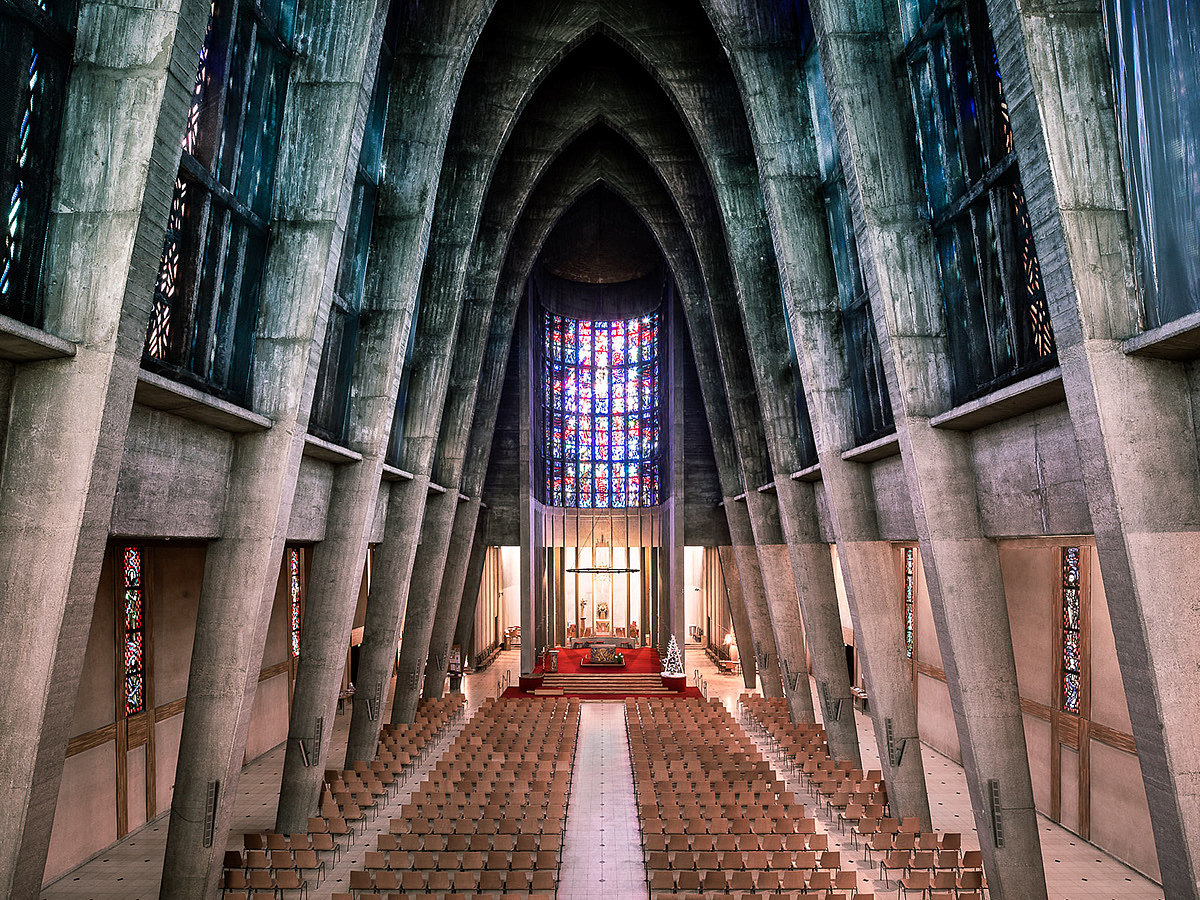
(515, 692)
(638, 661)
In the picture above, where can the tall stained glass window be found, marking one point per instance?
(134, 632)
(997, 317)
(600, 396)
(868, 386)
(294, 611)
(1071, 665)
(36, 38)
(910, 594)
(207, 296)
(1155, 52)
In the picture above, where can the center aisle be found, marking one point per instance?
(602, 843)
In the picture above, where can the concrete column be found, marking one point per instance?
(737, 614)
(1133, 414)
(338, 562)
(334, 582)
(463, 537)
(763, 53)
(783, 604)
(241, 569)
(812, 569)
(68, 416)
(429, 68)
(766, 655)
(464, 631)
(386, 604)
(422, 602)
(676, 504)
(962, 567)
(530, 518)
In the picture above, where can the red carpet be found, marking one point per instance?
(638, 661)
(515, 693)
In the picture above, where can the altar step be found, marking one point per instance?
(605, 683)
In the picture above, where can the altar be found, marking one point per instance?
(603, 657)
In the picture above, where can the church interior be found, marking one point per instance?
(684, 450)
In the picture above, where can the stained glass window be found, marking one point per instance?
(872, 406)
(206, 298)
(1156, 67)
(1071, 666)
(35, 55)
(134, 632)
(997, 317)
(294, 612)
(910, 591)
(600, 394)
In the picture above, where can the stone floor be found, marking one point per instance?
(602, 847)
(131, 869)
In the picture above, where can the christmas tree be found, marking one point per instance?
(674, 662)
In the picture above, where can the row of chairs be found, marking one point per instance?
(930, 864)
(695, 746)
(810, 884)
(806, 860)
(465, 881)
(697, 842)
(276, 864)
(448, 861)
(780, 822)
(487, 837)
(460, 843)
(530, 818)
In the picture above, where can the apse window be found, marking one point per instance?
(601, 391)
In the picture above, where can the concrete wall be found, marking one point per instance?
(173, 477)
(1028, 478)
(269, 723)
(312, 501)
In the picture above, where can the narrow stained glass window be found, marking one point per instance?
(134, 632)
(36, 41)
(600, 397)
(294, 599)
(1071, 666)
(910, 591)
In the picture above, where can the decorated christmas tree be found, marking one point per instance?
(674, 661)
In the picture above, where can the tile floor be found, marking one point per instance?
(130, 869)
(602, 847)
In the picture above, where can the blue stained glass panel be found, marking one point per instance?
(133, 693)
(1071, 692)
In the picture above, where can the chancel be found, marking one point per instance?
(684, 450)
